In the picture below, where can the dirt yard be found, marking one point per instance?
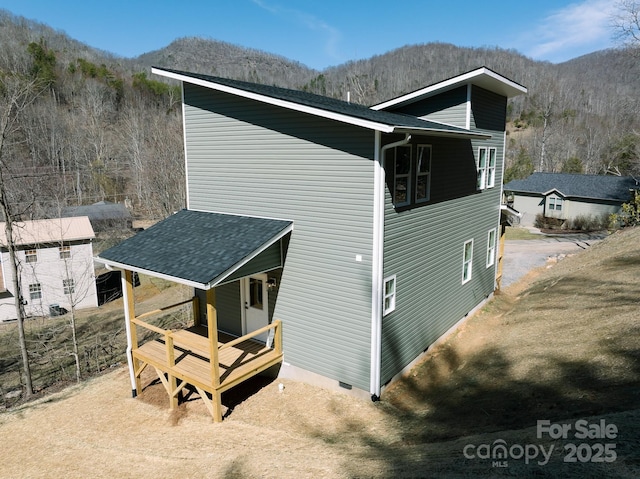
(560, 345)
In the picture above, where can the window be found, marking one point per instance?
(555, 203)
(467, 261)
(65, 251)
(69, 286)
(389, 295)
(486, 167)
(31, 255)
(400, 163)
(491, 247)
(35, 291)
(423, 172)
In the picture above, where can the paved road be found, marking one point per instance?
(521, 256)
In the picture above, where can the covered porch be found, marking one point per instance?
(221, 249)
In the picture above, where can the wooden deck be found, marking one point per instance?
(237, 361)
(210, 361)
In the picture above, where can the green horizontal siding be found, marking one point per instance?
(248, 158)
(448, 107)
(424, 248)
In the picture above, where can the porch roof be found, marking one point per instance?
(196, 248)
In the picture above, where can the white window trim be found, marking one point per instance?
(419, 174)
(391, 296)
(491, 248)
(487, 173)
(557, 201)
(465, 261)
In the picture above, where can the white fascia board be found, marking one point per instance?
(278, 102)
(482, 76)
(116, 265)
(448, 133)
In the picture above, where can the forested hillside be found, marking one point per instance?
(81, 125)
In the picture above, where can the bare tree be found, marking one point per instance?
(17, 93)
(626, 22)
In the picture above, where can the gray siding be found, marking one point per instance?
(424, 248)
(228, 307)
(269, 259)
(488, 110)
(320, 175)
(449, 107)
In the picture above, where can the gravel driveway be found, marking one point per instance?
(521, 256)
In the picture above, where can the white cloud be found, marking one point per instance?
(331, 35)
(571, 31)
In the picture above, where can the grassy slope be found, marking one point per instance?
(561, 345)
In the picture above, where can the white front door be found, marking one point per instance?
(256, 305)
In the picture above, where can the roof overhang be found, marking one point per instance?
(510, 215)
(198, 249)
(482, 77)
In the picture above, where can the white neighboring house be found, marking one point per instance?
(55, 261)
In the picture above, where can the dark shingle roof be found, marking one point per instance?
(599, 187)
(195, 246)
(103, 210)
(400, 121)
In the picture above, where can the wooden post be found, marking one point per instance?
(130, 314)
(212, 323)
(196, 310)
(171, 379)
(278, 337)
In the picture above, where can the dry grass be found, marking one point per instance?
(560, 345)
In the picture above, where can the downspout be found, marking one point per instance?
(377, 262)
(127, 323)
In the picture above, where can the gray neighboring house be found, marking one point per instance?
(568, 195)
(369, 232)
(104, 215)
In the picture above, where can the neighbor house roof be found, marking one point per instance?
(49, 231)
(103, 210)
(196, 248)
(568, 185)
(323, 106)
(482, 77)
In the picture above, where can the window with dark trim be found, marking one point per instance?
(423, 173)
(69, 286)
(399, 159)
(409, 177)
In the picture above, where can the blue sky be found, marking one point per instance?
(323, 33)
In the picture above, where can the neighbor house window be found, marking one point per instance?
(31, 255)
(389, 294)
(423, 173)
(35, 291)
(69, 286)
(491, 247)
(399, 160)
(486, 167)
(65, 251)
(467, 261)
(555, 203)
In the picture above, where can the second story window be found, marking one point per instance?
(423, 173)
(486, 167)
(31, 255)
(35, 291)
(400, 161)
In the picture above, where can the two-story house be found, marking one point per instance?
(55, 265)
(367, 232)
